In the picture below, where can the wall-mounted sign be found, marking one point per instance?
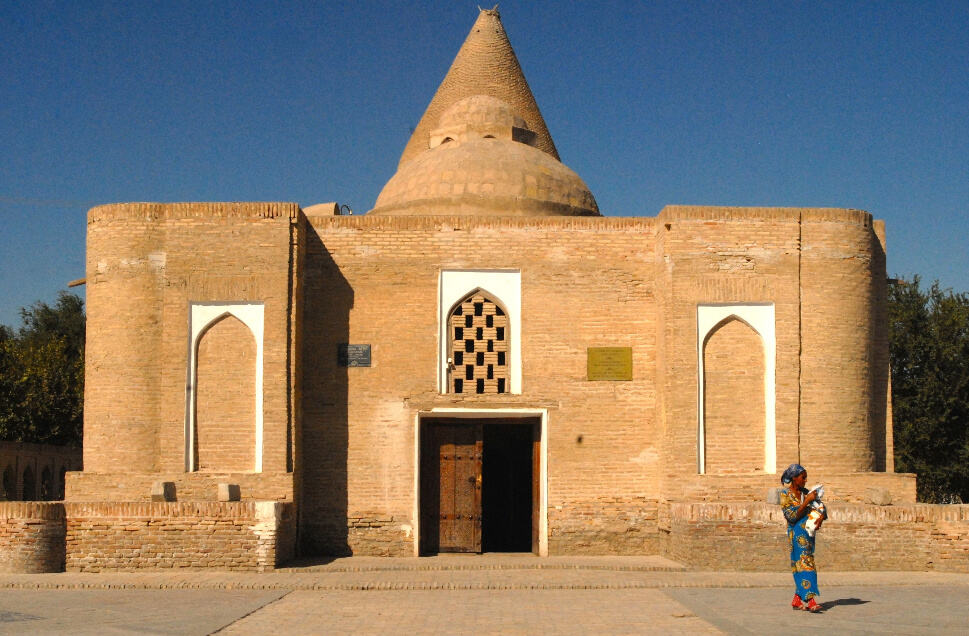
(610, 363)
(353, 355)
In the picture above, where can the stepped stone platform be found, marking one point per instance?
(475, 572)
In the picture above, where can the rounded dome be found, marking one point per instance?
(485, 177)
(481, 111)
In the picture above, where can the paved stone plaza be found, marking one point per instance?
(479, 594)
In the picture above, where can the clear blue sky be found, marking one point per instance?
(849, 104)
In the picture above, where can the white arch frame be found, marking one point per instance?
(503, 287)
(760, 318)
(201, 317)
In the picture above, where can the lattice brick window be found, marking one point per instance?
(478, 330)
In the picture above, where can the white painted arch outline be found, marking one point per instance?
(203, 315)
(760, 318)
(501, 286)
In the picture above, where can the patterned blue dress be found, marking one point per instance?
(802, 547)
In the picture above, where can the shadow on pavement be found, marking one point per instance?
(842, 601)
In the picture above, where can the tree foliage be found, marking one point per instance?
(929, 351)
(42, 374)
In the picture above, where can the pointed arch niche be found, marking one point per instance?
(202, 317)
(503, 288)
(751, 322)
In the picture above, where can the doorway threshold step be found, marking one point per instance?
(487, 561)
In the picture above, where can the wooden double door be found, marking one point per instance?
(479, 485)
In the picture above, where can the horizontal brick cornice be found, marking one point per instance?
(208, 210)
(445, 223)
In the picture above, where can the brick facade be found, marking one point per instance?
(214, 331)
(585, 282)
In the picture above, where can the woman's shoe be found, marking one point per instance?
(813, 606)
(796, 603)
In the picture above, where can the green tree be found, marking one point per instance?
(929, 351)
(42, 374)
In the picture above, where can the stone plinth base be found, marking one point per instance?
(753, 536)
(895, 488)
(254, 536)
(609, 525)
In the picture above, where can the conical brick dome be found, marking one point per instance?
(482, 147)
(485, 65)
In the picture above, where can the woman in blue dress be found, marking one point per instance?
(796, 504)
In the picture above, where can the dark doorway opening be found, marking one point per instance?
(506, 496)
(479, 485)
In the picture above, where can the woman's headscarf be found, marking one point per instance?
(792, 471)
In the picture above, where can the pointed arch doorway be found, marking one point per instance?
(481, 483)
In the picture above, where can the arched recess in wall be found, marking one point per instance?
(225, 387)
(47, 484)
(61, 482)
(733, 399)
(9, 484)
(736, 428)
(478, 338)
(503, 289)
(224, 420)
(28, 485)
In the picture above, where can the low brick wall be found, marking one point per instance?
(375, 534)
(838, 487)
(195, 486)
(31, 537)
(255, 536)
(753, 536)
(609, 525)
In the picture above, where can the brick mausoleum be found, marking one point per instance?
(481, 363)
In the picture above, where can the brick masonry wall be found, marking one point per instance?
(839, 487)
(225, 397)
(31, 537)
(844, 362)
(753, 536)
(585, 282)
(146, 262)
(730, 256)
(378, 534)
(254, 536)
(374, 280)
(604, 526)
(136, 487)
(823, 270)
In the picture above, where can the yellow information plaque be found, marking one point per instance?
(610, 363)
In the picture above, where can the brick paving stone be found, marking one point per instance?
(126, 611)
(486, 594)
(897, 610)
(475, 612)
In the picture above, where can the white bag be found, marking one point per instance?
(817, 513)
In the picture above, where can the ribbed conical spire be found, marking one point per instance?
(485, 65)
